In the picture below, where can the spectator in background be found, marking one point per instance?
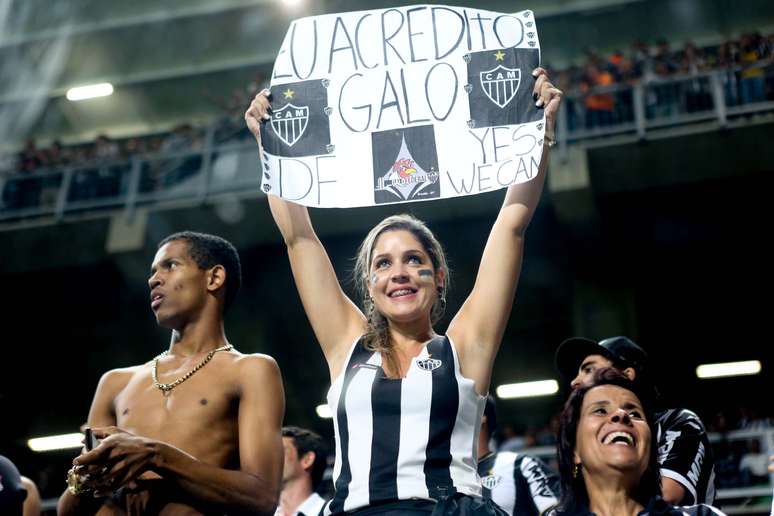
(642, 63)
(179, 166)
(664, 100)
(305, 462)
(565, 80)
(754, 464)
(57, 155)
(697, 94)
(522, 485)
(684, 451)
(30, 158)
(750, 419)
(771, 470)
(600, 105)
(511, 440)
(622, 69)
(9, 197)
(105, 149)
(7, 164)
(132, 147)
(108, 177)
(32, 504)
(547, 435)
(25, 192)
(752, 81)
(728, 56)
(12, 490)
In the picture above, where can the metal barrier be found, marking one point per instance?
(228, 163)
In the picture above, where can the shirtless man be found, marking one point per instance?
(197, 429)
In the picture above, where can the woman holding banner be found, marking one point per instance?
(407, 402)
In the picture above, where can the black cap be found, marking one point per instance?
(621, 350)
(12, 492)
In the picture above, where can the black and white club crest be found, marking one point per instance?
(490, 481)
(500, 84)
(289, 123)
(429, 364)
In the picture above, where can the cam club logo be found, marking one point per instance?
(429, 364)
(300, 124)
(500, 84)
(490, 481)
(500, 87)
(289, 123)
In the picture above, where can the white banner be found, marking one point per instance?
(405, 104)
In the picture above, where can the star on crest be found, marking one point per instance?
(288, 93)
(499, 55)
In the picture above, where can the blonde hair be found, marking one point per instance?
(377, 337)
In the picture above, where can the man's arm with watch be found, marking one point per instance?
(77, 499)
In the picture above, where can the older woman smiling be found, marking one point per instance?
(607, 452)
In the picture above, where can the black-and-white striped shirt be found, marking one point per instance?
(398, 439)
(519, 484)
(685, 454)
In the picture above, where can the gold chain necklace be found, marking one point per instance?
(166, 387)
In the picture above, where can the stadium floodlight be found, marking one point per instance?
(56, 442)
(324, 411)
(90, 91)
(527, 389)
(721, 370)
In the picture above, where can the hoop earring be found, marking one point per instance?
(576, 471)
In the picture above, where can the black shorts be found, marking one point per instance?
(412, 507)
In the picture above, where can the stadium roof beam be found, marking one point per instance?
(160, 16)
(150, 76)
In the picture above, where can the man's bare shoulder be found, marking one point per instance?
(249, 368)
(119, 377)
(255, 363)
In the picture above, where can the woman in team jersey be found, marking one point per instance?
(406, 401)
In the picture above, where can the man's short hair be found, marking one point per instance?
(208, 251)
(307, 441)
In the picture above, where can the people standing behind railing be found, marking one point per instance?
(752, 77)
(599, 106)
(623, 72)
(656, 67)
(30, 158)
(697, 96)
(664, 95)
(754, 464)
(183, 139)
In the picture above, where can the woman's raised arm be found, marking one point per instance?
(478, 327)
(335, 319)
